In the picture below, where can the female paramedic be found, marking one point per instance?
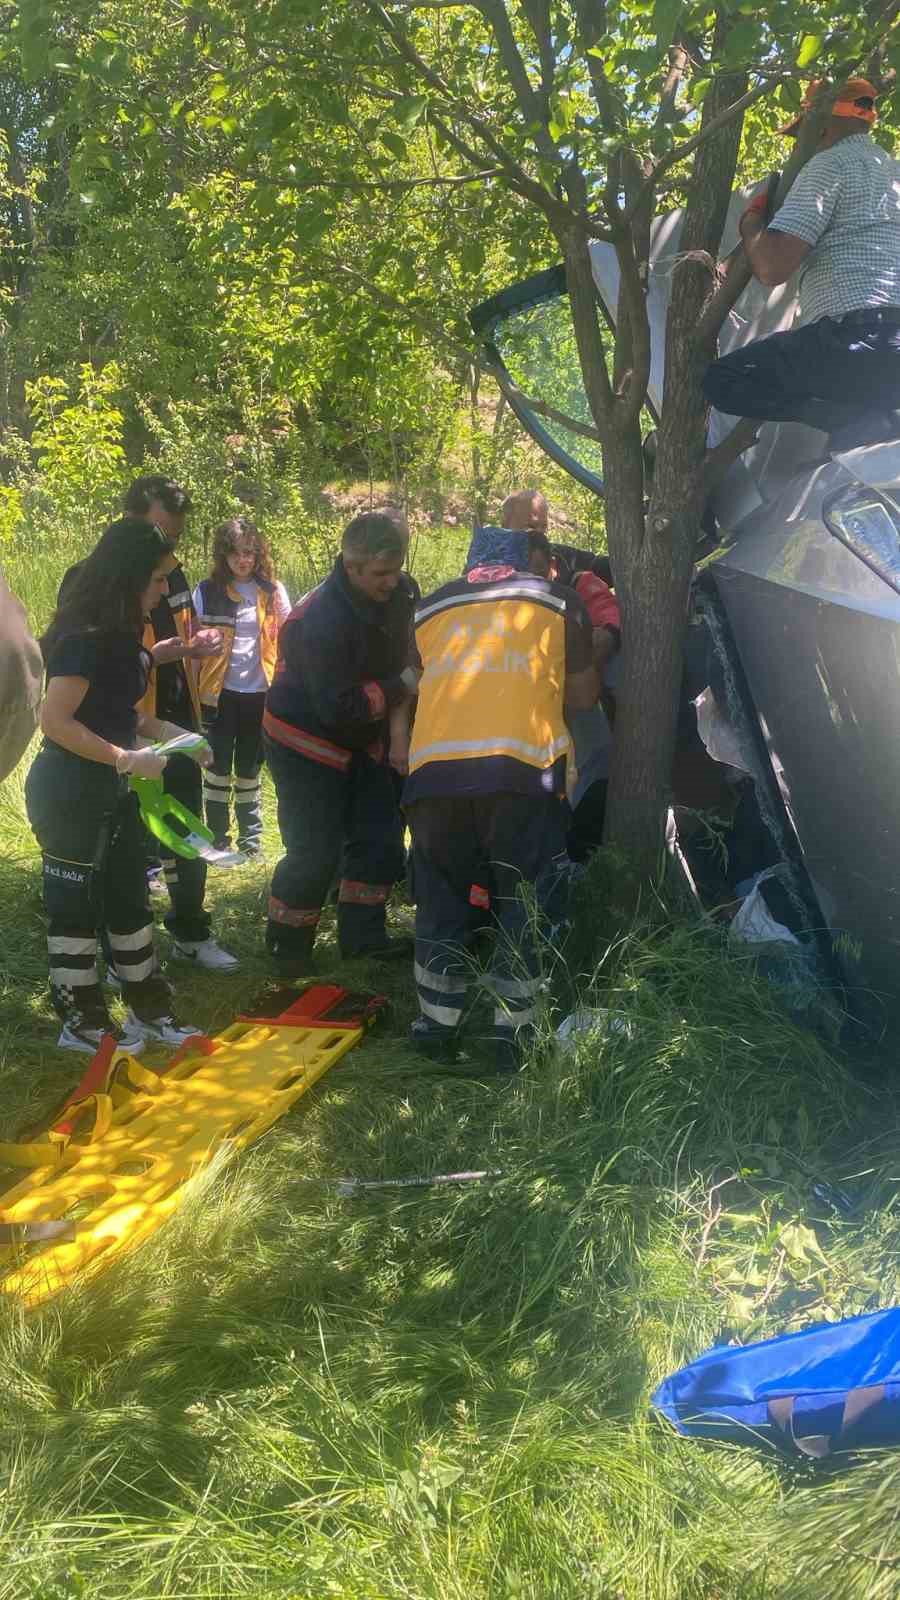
(81, 810)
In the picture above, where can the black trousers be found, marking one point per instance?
(95, 884)
(828, 374)
(517, 837)
(185, 880)
(235, 733)
(331, 821)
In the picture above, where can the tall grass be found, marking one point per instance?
(443, 1394)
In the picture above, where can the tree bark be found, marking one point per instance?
(654, 566)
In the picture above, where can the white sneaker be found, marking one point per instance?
(75, 1036)
(206, 953)
(162, 1030)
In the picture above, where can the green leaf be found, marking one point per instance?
(810, 45)
(801, 1243)
(743, 40)
(410, 110)
(219, 90)
(393, 143)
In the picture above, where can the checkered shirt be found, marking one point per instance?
(846, 204)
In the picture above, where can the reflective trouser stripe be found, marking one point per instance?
(440, 982)
(73, 961)
(513, 988)
(505, 1017)
(293, 916)
(446, 1016)
(363, 894)
(134, 954)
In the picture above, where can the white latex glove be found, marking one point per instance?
(199, 750)
(146, 763)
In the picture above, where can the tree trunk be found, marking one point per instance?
(653, 574)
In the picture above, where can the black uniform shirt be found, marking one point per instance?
(116, 667)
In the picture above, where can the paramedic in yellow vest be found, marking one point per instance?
(243, 599)
(503, 654)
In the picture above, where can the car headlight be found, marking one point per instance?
(869, 526)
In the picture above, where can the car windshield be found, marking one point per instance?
(530, 345)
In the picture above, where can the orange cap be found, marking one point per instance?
(845, 104)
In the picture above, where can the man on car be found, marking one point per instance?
(839, 369)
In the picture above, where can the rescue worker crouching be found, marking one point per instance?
(343, 674)
(502, 653)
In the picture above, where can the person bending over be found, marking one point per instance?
(343, 670)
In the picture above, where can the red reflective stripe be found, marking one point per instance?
(479, 898)
(321, 750)
(375, 696)
(291, 916)
(363, 894)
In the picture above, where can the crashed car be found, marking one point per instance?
(796, 619)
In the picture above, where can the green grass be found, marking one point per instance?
(442, 1394)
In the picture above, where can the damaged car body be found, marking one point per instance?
(792, 674)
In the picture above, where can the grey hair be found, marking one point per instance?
(374, 534)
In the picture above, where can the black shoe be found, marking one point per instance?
(504, 1048)
(252, 848)
(291, 957)
(440, 1045)
(387, 950)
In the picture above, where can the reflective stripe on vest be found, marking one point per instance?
(493, 680)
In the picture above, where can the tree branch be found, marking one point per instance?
(688, 146)
(534, 113)
(513, 392)
(526, 185)
(717, 461)
(434, 329)
(355, 186)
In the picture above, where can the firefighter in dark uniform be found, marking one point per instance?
(343, 672)
(84, 817)
(502, 654)
(175, 644)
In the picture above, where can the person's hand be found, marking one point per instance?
(146, 763)
(204, 642)
(756, 211)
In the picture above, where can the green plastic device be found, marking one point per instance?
(161, 812)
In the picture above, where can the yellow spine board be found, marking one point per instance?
(124, 1186)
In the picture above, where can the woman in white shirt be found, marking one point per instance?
(249, 605)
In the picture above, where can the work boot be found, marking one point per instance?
(440, 1045)
(386, 950)
(505, 1048)
(290, 950)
